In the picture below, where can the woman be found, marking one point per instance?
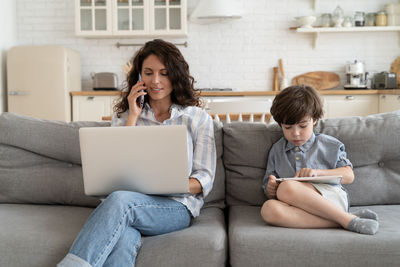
(111, 236)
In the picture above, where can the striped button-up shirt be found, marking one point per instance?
(201, 146)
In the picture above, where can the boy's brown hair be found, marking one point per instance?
(296, 102)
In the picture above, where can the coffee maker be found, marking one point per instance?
(356, 77)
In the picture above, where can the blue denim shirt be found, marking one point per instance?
(319, 152)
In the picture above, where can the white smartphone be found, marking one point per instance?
(140, 99)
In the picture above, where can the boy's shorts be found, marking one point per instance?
(333, 193)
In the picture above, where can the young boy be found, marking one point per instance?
(301, 153)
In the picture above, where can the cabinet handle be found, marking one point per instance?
(91, 98)
(17, 93)
(350, 97)
(383, 97)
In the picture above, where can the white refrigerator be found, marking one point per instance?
(40, 79)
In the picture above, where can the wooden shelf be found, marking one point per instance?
(316, 31)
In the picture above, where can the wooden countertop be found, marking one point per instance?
(254, 93)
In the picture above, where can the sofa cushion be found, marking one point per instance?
(27, 177)
(50, 138)
(372, 144)
(40, 162)
(216, 197)
(252, 241)
(41, 235)
(38, 235)
(204, 243)
(246, 147)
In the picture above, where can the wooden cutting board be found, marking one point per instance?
(320, 80)
(396, 69)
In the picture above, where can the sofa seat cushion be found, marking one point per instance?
(27, 177)
(41, 235)
(204, 243)
(38, 235)
(252, 242)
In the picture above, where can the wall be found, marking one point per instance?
(7, 39)
(238, 54)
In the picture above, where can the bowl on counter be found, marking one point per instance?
(306, 21)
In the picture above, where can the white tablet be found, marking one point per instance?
(334, 179)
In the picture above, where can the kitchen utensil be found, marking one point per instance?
(370, 19)
(281, 67)
(356, 76)
(320, 80)
(283, 82)
(338, 17)
(384, 80)
(127, 67)
(306, 21)
(275, 84)
(348, 22)
(381, 18)
(105, 81)
(359, 20)
(395, 67)
(326, 20)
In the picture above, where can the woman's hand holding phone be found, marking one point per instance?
(136, 101)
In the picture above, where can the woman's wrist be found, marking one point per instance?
(132, 119)
(195, 186)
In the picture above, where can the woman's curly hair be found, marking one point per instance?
(183, 92)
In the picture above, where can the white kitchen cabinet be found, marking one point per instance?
(350, 105)
(388, 103)
(93, 17)
(92, 108)
(131, 18)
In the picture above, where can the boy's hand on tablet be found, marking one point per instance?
(306, 172)
(272, 186)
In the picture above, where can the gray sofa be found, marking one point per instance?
(43, 207)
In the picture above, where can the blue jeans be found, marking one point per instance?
(111, 236)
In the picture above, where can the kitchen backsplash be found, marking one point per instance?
(237, 54)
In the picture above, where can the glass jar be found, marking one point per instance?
(326, 20)
(381, 19)
(359, 19)
(370, 19)
(338, 17)
(348, 22)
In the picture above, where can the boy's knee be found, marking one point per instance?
(270, 211)
(286, 190)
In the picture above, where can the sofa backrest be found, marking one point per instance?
(40, 162)
(372, 144)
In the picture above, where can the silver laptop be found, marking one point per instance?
(146, 159)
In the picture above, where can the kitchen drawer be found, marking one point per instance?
(337, 106)
(92, 108)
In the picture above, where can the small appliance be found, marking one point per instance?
(356, 76)
(105, 81)
(384, 80)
